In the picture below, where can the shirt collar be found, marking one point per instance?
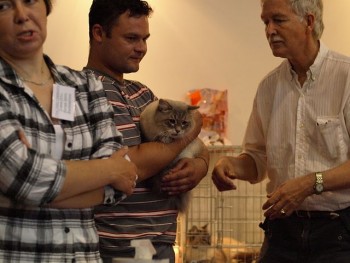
(104, 77)
(60, 74)
(9, 76)
(315, 68)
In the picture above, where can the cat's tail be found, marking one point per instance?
(182, 202)
(247, 255)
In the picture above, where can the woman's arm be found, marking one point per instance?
(86, 176)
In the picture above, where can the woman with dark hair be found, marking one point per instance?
(48, 4)
(57, 147)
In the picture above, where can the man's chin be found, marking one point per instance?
(132, 69)
(278, 53)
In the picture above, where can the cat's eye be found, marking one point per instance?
(172, 122)
(184, 124)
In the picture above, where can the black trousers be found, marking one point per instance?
(316, 237)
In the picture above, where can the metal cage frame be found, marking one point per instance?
(232, 217)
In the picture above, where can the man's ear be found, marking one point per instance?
(97, 32)
(310, 21)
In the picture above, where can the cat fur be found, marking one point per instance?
(200, 248)
(153, 126)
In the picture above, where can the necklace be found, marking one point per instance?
(43, 83)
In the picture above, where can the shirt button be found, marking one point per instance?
(70, 145)
(66, 229)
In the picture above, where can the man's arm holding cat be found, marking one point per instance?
(152, 157)
(187, 173)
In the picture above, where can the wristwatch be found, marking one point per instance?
(318, 183)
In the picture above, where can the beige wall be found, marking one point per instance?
(196, 44)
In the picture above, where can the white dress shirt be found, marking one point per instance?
(295, 130)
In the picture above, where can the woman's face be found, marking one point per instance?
(23, 28)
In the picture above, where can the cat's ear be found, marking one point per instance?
(192, 107)
(164, 106)
(205, 227)
(193, 228)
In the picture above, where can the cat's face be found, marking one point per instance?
(173, 119)
(198, 236)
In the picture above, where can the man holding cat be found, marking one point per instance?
(298, 136)
(118, 32)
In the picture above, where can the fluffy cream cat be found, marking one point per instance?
(200, 248)
(166, 120)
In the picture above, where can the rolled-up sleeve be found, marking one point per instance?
(27, 176)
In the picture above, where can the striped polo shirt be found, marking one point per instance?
(144, 214)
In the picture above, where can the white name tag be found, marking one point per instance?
(63, 102)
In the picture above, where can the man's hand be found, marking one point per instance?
(288, 197)
(224, 173)
(184, 176)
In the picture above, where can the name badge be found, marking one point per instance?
(63, 102)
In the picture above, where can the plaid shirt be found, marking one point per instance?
(31, 178)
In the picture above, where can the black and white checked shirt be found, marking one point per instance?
(30, 178)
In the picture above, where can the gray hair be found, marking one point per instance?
(304, 7)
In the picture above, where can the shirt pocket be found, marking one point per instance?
(329, 136)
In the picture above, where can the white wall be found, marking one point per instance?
(196, 44)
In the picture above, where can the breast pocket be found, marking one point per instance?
(329, 136)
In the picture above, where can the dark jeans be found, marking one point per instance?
(307, 240)
(164, 251)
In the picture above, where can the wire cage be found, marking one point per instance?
(221, 227)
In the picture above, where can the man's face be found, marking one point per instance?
(126, 46)
(285, 30)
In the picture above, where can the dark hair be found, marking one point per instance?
(48, 5)
(107, 12)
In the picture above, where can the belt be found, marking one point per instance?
(316, 214)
